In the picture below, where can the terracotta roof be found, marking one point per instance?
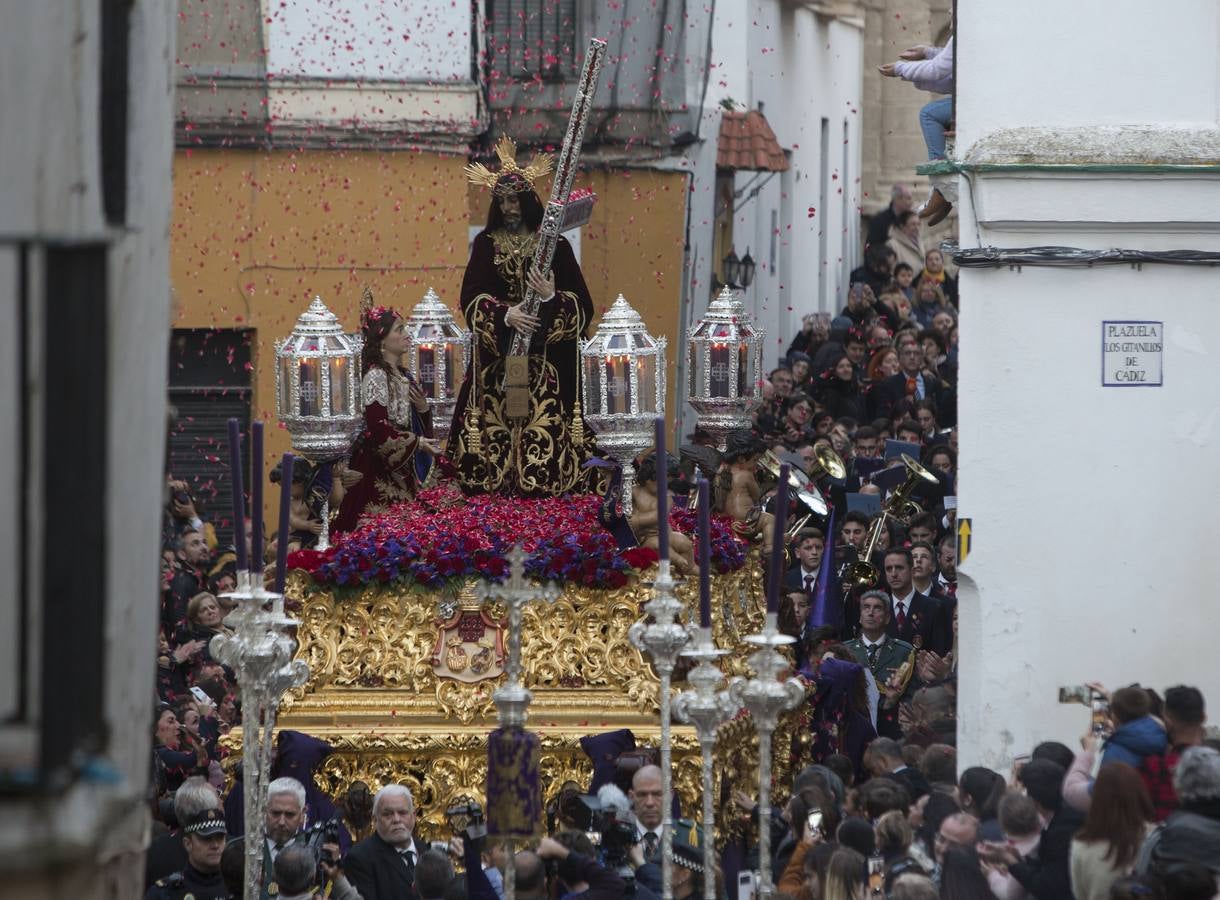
(747, 142)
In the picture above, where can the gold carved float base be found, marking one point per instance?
(382, 691)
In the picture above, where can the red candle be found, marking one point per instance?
(704, 536)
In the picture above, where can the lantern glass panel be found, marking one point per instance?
(431, 333)
(311, 388)
(286, 385)
(617, 342)
(593, 385)
(452, 366)
(339, 373)
(723, 368)
(646, 379)
(618, 384)
(427, 370)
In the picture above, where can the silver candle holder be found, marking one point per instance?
(707, 709)
(512, 699)
(260, 652)
(663, 640)
(766, 697)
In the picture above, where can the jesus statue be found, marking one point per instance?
(544, 453)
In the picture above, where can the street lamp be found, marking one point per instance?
(624, 387)
(732, 268)
(747, 269)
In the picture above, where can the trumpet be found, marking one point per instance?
(862, 574)
(899, 504)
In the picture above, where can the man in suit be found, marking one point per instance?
(882, 655)
(285, 817)
(914, 381)
(804, 575)
(645, 796)
(914, 617)
(883, 759)
(923, 572)
(382, 866)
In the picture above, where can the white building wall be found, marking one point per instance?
(1093, 551)
(801, 68)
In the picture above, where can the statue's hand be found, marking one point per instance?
(543, 285)
(521, 321)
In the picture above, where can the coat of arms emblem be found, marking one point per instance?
(469, 641)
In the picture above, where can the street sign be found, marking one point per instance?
(963, 540)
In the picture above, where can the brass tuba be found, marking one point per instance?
(826, 463)
(805, 491)
(899, 505)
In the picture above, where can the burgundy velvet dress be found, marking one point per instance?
(387, 453)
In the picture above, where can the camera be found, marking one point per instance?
(467, 818)
(313, 837)
(613, 836)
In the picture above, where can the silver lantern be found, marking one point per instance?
(317, 390)
(623, 369)
(724, 357)
(438, 352)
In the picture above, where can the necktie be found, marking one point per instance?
(408, 857)
(650, 846)
(872, 654)
(900, 617)
(808, 584)
(910, 386)
(951, 588)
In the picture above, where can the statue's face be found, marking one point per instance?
(510, 208)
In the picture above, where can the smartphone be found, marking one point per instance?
(813, 822)
(1099, 721)
(1076, 693)
(1018, 763)
(747, 885)
(876, 874)
(200, 695)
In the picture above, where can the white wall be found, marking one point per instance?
(390, 40)
(1093, 553)
(1087, 62)
(802, 68)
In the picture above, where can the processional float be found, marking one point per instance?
(725, 350)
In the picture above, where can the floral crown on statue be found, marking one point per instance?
(372, 316)
(511, 179)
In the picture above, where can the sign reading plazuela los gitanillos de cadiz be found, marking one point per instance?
(1131, 353)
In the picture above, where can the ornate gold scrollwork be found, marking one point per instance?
(374, 696)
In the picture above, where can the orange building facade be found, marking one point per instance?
(256, 234)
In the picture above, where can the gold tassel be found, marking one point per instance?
(474, 442)
(578, 424)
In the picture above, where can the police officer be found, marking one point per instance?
(204, 838)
